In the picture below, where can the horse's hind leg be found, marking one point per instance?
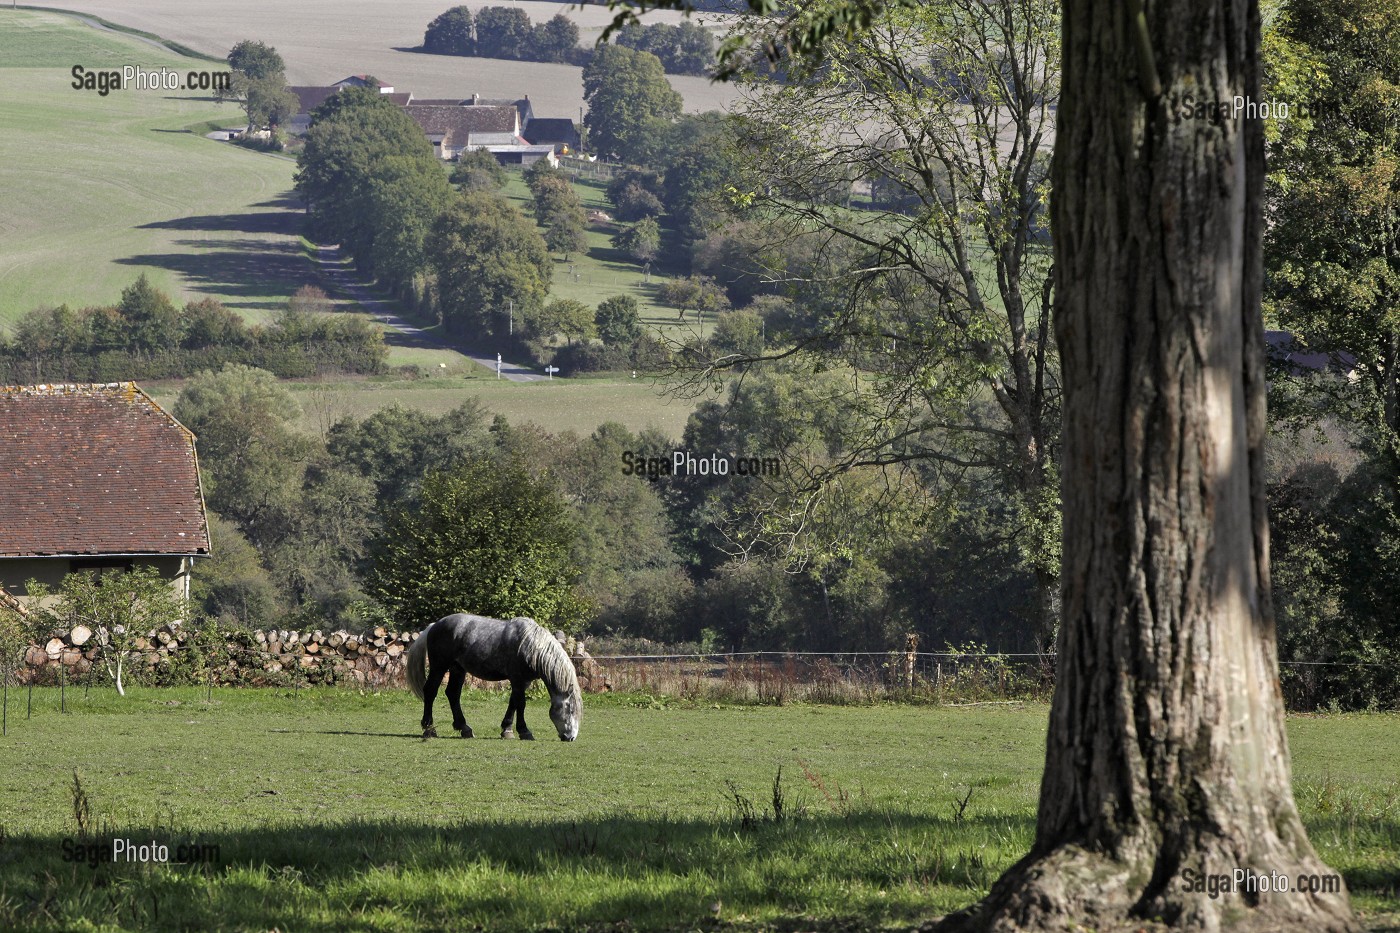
(506, 731)
(430, 688)
(517, 696)
(455, 679)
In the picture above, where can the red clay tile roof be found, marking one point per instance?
(96, 469)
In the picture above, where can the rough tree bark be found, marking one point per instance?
(1166, 750)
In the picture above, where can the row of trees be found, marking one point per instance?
(373, 184)
(683, 49)
(558, 209)
(146, 335)
(503, 32)
(506, 32)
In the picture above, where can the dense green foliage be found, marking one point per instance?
(686, 48)
(260, 82)
(488, 258)
(145, 336)
(452, 32)
(628, 99)
(478, 170)
(617, 321)
(641, 240)
(372, 183)
(557, 209)
(1333, 274)
(485, 538)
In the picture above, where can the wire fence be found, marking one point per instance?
(762, 677)
(936, 676)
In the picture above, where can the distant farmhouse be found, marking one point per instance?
(508, 129)
(95, 477)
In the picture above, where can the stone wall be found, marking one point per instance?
(174, 653)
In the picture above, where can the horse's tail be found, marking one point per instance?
(416, 667)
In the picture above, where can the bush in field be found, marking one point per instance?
(641, 241)
(310, 299)
(618, 321)
(478, 170)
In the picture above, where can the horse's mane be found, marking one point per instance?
(541, 651)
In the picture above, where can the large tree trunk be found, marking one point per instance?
(1166, 754)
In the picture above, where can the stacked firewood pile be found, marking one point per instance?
(371, 658)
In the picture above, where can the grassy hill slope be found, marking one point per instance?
(99, 189)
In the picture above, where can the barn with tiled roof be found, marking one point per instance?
(95, 477)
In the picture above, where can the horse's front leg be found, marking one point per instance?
(515, 710)
(430, 689)
(455, 679)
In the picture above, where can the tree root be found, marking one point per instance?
(1073, 890)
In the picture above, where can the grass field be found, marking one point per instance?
(578, 405)
(325, 40)
(100, 189)
(329, 813)
(603, 272)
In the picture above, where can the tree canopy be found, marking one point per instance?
(485, 538)
(487, 255)
(451, 33)
(372, 182)
(628, 97)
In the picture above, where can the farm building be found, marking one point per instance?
(95, 477)
(309, 97)
(557, 132)
(508, 129)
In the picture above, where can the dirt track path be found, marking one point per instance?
(337, 274)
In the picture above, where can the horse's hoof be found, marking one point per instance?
(430, 733)
(507, 734)
(467, 732)
(527, 737)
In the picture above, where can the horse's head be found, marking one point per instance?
(565, 710)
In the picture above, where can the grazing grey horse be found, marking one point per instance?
(518, 650)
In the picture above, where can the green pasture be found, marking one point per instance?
(330, 813)
(578, 405)
(603, 272)
(99, 189)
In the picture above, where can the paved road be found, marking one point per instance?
(337, 274)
